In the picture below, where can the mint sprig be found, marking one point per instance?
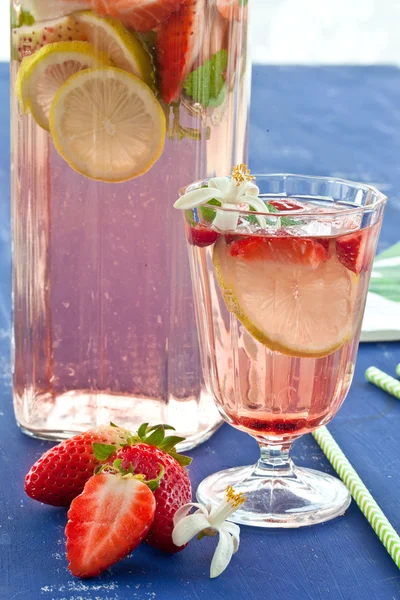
(25, 18)
(206, 84)
(285, 221)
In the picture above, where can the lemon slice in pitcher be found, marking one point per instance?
(44, 72)
(288, 292)
(123, 47)
(107, 124)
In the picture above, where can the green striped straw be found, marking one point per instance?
(398, 370)
(361, 495)
(383, 381)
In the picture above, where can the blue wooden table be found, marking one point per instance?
(339, 121)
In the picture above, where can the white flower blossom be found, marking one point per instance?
(210, 521)
(231, 195)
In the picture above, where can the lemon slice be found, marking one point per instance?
(43, 73)
(107, 124)
(123, 47)
(289, 307)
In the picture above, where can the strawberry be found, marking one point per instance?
(201, 236)
(351, 250)
(232, 9)
(108, 520)
(326, 243)
(216, 32)
(61, 473)
(141, 15)
(177, 46)
(286, 204)
(280, 248)
(153, 450)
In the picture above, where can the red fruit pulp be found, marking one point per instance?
(201, 236)
(106, 522)
(352, 250)
(283, 249)
(278, 426)
(177, 47)
(285, 204)
(141, 15)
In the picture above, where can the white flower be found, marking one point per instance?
(210, 521)
(231, 195)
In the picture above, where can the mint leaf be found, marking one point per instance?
(206, 84)
(214, 102)
(208, 214)
(285, 221)
(26, 18)
(189, 217)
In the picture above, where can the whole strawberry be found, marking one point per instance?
(61, 473)
(147, 452)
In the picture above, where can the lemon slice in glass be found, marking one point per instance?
(286, 294)
(123, 47)
(44, 72)
(107, 124)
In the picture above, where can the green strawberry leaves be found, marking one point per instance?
(153, 436)
(206, 84)
(103, 451)
(117, 469)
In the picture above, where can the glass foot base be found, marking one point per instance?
(304, 497)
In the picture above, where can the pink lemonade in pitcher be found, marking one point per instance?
(117, 105)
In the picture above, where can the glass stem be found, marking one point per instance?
(274, 460)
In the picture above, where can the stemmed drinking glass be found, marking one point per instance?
(279, 302)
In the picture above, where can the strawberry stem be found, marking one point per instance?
(117, 469)
(153, 484)
(153, 436)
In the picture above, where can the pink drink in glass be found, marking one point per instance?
(279, 303)
(276, 389)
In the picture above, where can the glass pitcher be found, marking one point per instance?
(114, 109)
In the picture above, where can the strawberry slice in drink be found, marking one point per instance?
(177, 47)
(287, 291)
(286, 204)
(353, 250)
(201, 236)
(280, 249)
(141, 15)
(233, 9)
